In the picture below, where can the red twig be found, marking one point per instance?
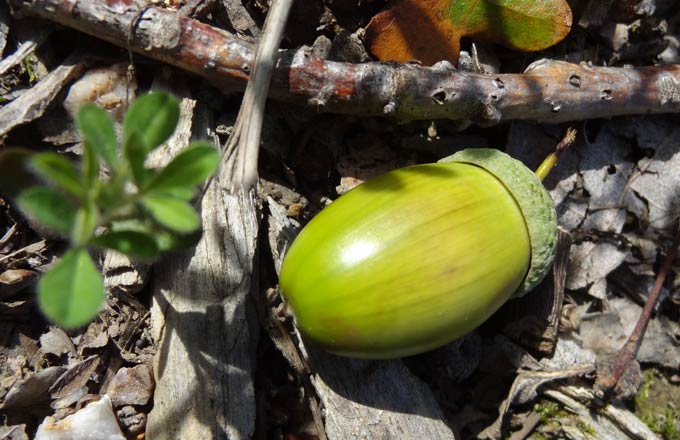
(606, 382)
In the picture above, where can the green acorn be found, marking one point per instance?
(419, 256)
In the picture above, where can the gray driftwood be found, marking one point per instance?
(33, 103)
(375, 400)
(605, 422)
(24, 50)
(202, 320)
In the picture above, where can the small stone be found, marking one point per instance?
(131, 386)
(16, 432)
(133, 421)
(106, 87)
(31, 390)
(94, 422)
(56, 342)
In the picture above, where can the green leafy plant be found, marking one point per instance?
(136, 210)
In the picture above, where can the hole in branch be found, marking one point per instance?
(575, 80)
(439, 97)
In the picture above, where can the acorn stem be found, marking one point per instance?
(547, 165)
(549, 162)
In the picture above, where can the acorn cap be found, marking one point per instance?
(533, 199)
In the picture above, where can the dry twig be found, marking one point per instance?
(549, 91)
(244, 143)
(609, 375)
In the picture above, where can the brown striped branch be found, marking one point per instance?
(548, 91)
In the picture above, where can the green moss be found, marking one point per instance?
(643, 393)
(586, 428)
(549, 411)
(657, 404)
(554, 418)
(28, 63)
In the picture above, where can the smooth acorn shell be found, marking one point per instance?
(407, 261)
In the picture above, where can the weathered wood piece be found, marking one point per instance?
(606, 422)
(4, 26)
(375, 400)
(32, 104)
(202, 320)
(548, 91)
(24, 50)
(121, 274)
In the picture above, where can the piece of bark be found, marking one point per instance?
(375, 400)
(207, 300)
(201, 317)
(32, 104)
(75, 377)
(241, 20)
(605, 422)
(5, 20)
(31, 390)
(523, 390)
(205, 360)
(24, 50)
(16, 432)
(123, 274)
(549, 91)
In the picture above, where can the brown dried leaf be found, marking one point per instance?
(430, 30)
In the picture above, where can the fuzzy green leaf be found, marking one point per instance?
(60, 171)
(173, 213)
(98, 131)
(170, 241)
(133, 243)
(180, 192)
(153, 117)
(72, 292)
(89, 167)
(190, 167)
(166, 240)
(135, 153)
(84, 224)
(112, 194)
(48, 206)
